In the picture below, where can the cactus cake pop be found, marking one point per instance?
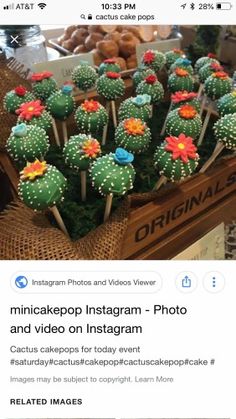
(33, 113)
(79, 152)
(136, 107)
(176, 158)
(154, 59)
(152, 87)
(27, 143)
(133, 135)
(218, 85)
(172, 56)
(110, 64)
(227, 104)
(91, 117)
(141, 73)
(84, 76)
(111, 86)
(180, 79)
(210, 58)
(207, 69)
(183, 63)
(13, 99)
(43, 85)
(184, 120)
(113, 174)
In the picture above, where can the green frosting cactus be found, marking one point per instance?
(33, 113)
(41, 185)
(111, 86)
(141, 74)
(136, 107)
(185, 98)
(27, 143)
(113, 173)
(154, 59)
(80, 151)
(180, 79)
(14, 99)
(43, 85)
(176, 158)
(91, 117)
(210, 58)
(227, 104)
(133, 135)
(183, 63)
(225, 130)
(218, 85)
(152, 87)
(84, 76)
(207, 70)
(172, 56)
(109, 64)
(61, 104)
(184, 120)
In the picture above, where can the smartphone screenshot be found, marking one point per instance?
(118, 209)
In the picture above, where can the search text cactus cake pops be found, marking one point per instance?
(26, 143)
(16, 97)
(110, 64)
(152, 87)
(61, 104)
(172, 56)
(113, 174)
(43, 85)
(154, 59)
(185, 98)
(207, 70)
(33, 113)
(136, 107)
(210, 58)
(91, 117)
(133, 134)
(175, 159)
(180, 79)
(227, 104)
(141, 73)
(218, 85)
(183, 63)
(84, 76)
(184, 120)
(111, 86)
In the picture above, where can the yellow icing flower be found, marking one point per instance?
(33, 170)
(134, 126)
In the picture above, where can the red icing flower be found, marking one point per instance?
(41, 76)
(181, 72)
(216, 67)
(212, 55)
(182, 96)
(151, 79)
(110, 61)
(178, 51)
(112, 75)
(90, 106)
(148, 57)
(91, 148)
(182, 147)
(30, 109)
(187, 111)
(220, 75)
(20, 91)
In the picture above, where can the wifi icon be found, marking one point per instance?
(42, 5)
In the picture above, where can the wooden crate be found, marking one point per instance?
(182, 214)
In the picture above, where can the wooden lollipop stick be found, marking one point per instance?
(203, 104)
(162, 181)
(200, 90)
(108, 207)
(59, 220)
(105, 129)
(204, 127)
(65, 133)
(164, 125)
(83, 185)
(219, 147)
(55, 131)
(113, 110)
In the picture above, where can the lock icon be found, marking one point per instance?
(90, 17)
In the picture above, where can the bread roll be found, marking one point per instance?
(92, 39)
(128, 44)
(79, 36)
(108, 48)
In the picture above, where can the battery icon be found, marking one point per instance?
(224, 6)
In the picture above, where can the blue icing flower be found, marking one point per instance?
(123, 157)
(67, 89)
(19, 130)
(142, 100)
(183, 61)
